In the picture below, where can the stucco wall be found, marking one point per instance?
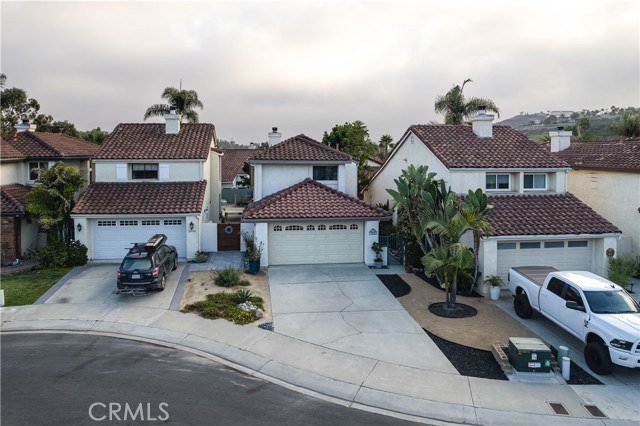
(616, 197)
(179, 171)
(11, 173)
(270, 178)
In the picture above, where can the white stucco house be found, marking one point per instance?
(536, 221)
(305, 208)
(151, 178)
(21, 155)
(605, 175)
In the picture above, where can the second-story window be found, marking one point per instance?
(497, 182)
(325, 172)
(144, 171)
(34, 168)
(535, 182)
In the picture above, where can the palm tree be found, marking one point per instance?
(184, 102)
(629, 126)
(474, 208)
(455, 107)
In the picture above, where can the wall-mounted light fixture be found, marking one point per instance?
(79, 227)
(191, 226)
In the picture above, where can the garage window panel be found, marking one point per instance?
(150, 222)
(277, 228)
(506, 246)
(172, 222)
(554, 244)
(106, 223)
(293, 228)
(578, 243)
(311, 228)
(530, 245)
(353, 227)
(337, 227)
(128, 223)
(322, 228)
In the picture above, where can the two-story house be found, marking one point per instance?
(305, 208)
(605, 175)
(535, 220)
(21, 156)
(151, 178)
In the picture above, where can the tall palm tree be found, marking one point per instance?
(184, 101)
(474, 208)
(455, 107)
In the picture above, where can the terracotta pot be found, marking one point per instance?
(408, 269)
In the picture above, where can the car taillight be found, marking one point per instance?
(155, 272)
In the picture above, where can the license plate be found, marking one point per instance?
(135, 276)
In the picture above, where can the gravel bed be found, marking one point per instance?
(434, 284)
(577, 375)
(395, 285)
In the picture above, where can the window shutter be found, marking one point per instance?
(163, 172)
(121, 172)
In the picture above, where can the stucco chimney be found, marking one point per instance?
(172, 122)
(274, 136)
(25, 126)
(482, 123)
(560, 139)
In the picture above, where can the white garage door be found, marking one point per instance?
(113, 237)
(319, 242)
(564, 255)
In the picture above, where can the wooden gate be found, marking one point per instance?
(228, 237)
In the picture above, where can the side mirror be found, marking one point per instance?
(573, 305)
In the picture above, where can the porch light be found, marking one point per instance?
(79, 227)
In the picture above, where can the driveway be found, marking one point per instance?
(96, 282)
(347, 308)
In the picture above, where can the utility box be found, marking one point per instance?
(528, 354)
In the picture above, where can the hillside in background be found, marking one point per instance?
(597, 124)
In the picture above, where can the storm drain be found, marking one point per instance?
(594, 411)
(558, 408)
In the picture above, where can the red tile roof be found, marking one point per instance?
(622, 154)
(311, 200)
(46, 145)
(232, 162)
(13, 199)
(142, 198)
(300, 148)
(148, 141)
(561, 214)
(458, 147)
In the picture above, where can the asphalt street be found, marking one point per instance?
(81, 379)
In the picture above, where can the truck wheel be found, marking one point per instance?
(163, 282)
(521, 306)
(597, 356)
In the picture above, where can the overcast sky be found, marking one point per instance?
(305, 66)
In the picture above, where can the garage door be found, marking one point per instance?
(113, 237)
(319, 242)
(564, 255)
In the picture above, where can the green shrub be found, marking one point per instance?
(225, 305)
(229, 277)
(53, 255)
(240, 316)
(77, 254)
(622, 268)
(241, 296)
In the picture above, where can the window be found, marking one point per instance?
(325, 172)
(573, 295)
(150, 222)
(498, 182)
(106, 223)
(336, 227)
(535, 245)
(554, 244)
(172, 222)
(34, 166)
(353, 227)
(506, 246)
(277, 228)
(144, 171)
(535, 182)
(128, 223)
(311, 228)
(322, 228)
(293, 228)
(574, 244)
(555, 286)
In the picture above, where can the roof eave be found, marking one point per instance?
(315, 219)
(553, 236)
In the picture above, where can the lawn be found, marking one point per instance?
(24, 288)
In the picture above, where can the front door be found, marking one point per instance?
(228, 237)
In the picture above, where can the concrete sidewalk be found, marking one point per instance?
(358, 381)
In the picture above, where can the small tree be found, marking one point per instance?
(53, 199)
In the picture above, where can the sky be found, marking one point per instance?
(305, 66)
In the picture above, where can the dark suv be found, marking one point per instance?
(146, 266)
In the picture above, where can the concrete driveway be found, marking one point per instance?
(347, 308)
(96, 282)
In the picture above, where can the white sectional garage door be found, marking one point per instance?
(317, 242)
(566, 255)
(113, 237)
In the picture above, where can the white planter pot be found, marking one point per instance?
(494, 292)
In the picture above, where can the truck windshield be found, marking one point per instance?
(611, 302)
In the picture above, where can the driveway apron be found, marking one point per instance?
(347, 308)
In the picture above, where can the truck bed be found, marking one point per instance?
(536, 274)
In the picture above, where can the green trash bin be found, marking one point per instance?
(528, 354)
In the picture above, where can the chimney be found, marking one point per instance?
(560, 139)
(482, 123)
(172, 122)
(25, 126)
(274, 136)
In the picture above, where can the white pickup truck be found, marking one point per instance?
(595, 310)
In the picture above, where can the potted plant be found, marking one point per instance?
(496, 285)
(253, 253)
(377, 248)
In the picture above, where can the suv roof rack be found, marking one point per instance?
(152, 243)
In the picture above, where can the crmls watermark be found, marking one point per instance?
(113, 411)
